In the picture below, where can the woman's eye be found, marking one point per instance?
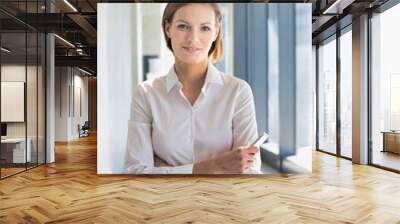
(206, 28)
(183, 27)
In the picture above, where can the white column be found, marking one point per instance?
(360, 90)
(50, 99)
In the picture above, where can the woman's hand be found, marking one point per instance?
(236, 161)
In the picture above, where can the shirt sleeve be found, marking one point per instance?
(245, 123)
(139, 158)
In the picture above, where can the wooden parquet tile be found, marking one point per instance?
(70, 191)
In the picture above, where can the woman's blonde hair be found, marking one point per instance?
(216, 51)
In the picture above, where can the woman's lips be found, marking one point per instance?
(191, 49)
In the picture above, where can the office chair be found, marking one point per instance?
(84, 130)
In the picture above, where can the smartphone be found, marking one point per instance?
(260, 140)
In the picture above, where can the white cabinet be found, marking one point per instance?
(17, 145)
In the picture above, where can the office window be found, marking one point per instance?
(385, 83)
(327, 95)
(346, 93)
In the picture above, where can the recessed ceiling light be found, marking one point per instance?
(70, 5)
(5, 50)
(84, 71)
(337, 7)
(64, 40)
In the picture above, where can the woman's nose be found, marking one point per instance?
(193, 36)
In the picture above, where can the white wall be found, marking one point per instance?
(66, 81)
(33, 127)
(15, 72)
(82, 83)
(118, 72)
(61, 103)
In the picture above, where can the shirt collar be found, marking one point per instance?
(213, 76)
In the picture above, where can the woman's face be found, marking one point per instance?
(192, 32)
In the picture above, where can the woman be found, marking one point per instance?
(195, 119)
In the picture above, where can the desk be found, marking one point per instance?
(13, 150)
(391, 141)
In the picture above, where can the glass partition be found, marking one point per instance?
(22, 88)
(13, 108)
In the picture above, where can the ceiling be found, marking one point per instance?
(332, 15)
(76, 22)
(77, 25)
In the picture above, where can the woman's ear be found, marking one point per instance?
(166, 29)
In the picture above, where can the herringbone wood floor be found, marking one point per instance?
(70, 191)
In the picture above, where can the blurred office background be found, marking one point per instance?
(268, 45)
(324, 75)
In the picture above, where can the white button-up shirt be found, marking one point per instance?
(164, 124)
